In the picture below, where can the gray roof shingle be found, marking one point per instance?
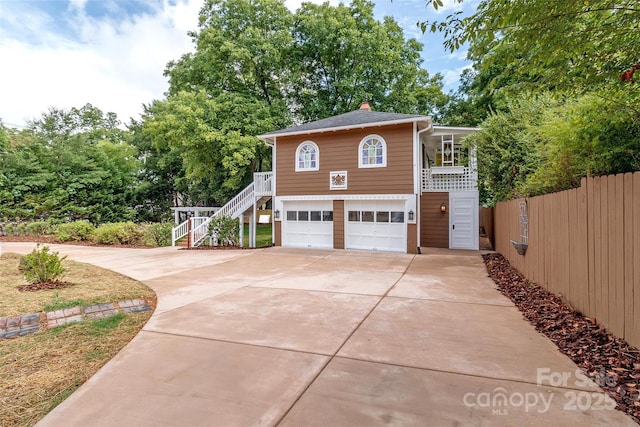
(351, 119)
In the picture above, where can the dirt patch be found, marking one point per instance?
(609, 361)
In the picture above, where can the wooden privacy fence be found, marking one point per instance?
(583, 244)
(486, 222)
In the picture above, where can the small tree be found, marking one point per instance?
(226, 229)
(41, 266)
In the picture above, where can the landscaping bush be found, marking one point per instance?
(117, 233)
(226, 228)
(21, 229)
(39, 228)
(156, 234)
(77, 231)
(40, 266)
(7, 229)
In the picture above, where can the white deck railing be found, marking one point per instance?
(263, 183)
(260, 187)
(465, 181)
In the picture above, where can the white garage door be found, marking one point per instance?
(308, 224)
(378, 225)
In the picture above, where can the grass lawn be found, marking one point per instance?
(40, 370)
(263, 235)
(90, 285)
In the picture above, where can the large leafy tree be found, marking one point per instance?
(213, 137)
(161, 176)
(568, 45)
(343, 56)
(67, 165)
(507, 148)
(577, 59)
(241, 48)
(544, 143)
(258, 67)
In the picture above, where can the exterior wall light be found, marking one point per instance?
(443, 207)
(276, 214)
(411, 215)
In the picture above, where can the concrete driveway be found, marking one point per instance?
(327, 338)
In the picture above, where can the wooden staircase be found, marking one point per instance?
(258, 192)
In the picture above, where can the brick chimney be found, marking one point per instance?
(365, 106)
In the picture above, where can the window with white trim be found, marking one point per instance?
(307, 157)
(372, 152)
(376, 216)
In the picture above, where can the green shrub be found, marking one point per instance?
(77, 231)
(156, 234)
(41, 266)
(39, 228)
(117, 233)
(21, 229)
(226, 228)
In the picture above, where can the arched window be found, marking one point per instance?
(307, 157)
(372, 152)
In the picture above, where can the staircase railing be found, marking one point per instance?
(179, 232)
(199, 229)
(260, 187)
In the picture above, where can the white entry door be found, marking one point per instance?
(376, 225)
(463, 220)
(308, 224)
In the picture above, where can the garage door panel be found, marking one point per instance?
(308, 224)
(376, 225)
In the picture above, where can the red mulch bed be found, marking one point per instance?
(52, 284)
(609, 361)
(219, 248)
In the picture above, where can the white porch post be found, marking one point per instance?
(250, 215)
(253, 226)
(176, 216)
(241, 230)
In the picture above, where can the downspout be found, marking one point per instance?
(418, 179)
(273, 191)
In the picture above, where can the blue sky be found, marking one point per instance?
(112, 53)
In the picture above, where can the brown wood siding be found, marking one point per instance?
(339, 152)
(434, 225)
(412, 238)
(338, 224)
(584, 244)
(278, 233)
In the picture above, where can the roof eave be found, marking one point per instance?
(424, 119)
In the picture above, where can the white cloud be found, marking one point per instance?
(448, 6)
(294, 5)
(115, 65)
(452, 77)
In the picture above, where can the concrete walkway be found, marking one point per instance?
(327, 338)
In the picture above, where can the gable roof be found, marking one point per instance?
(353, 119)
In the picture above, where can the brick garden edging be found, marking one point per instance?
(18, 326)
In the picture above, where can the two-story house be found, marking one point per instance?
(367, 180)
(373, 181)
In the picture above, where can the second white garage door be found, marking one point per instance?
(308, 224)
(378, 225)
